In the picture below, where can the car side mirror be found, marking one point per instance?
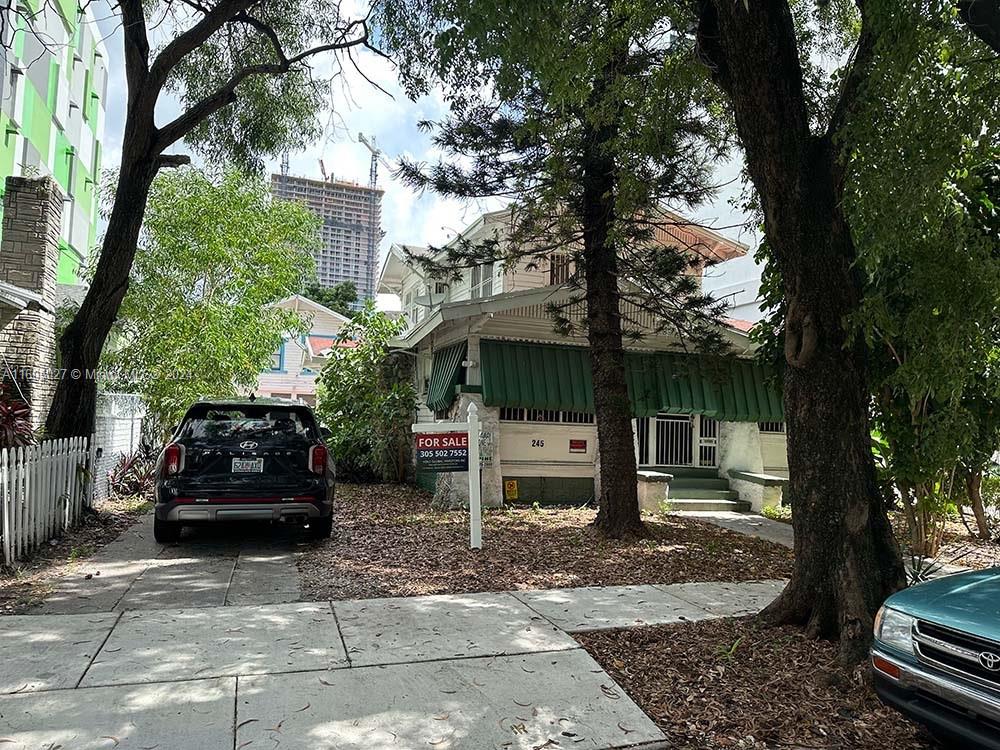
(325, 432)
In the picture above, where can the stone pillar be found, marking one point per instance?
(452, 489)
(739, 449)
(29, 259)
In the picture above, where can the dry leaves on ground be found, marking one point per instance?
(387, 541)
(958, 546)
(730, 684)
(30, 580)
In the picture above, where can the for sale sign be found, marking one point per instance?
(443, 451)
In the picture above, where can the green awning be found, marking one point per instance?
(542, 376)
(446, 371)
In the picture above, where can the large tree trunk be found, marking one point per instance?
(618, 504)
(75, 401)
(846, 559)
(618, 513)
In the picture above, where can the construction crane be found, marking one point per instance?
(373, 231)
(322, 171)
(284, 164)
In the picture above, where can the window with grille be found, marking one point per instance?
(777, 427)
(517, 414)
(559, 268)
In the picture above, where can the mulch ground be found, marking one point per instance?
(388, 541)
(958, 546)
(29, 581)
(729, 684)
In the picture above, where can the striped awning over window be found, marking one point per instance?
(446, 373)
(542, 376)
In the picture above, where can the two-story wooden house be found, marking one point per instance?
(487, 338)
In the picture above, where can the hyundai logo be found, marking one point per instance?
(248, 445)
(990, 661)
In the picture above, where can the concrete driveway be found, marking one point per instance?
(214, 566)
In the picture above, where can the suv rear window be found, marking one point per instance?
(229, 421)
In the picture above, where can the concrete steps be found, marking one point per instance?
(687, 472)
(698, 488)
(736, 506)
(700, 483)
(694, 493)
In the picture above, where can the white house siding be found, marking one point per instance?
(297, 377)
(521, 277)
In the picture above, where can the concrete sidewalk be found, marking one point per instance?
(464, 671)
(748, 524)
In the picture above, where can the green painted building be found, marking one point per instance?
(52, 102)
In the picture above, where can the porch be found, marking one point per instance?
(694, 419)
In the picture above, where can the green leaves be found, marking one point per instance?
(197, 320)
(365, 395)
(548, 99)
(923, 182)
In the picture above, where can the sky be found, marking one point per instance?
(408, 217)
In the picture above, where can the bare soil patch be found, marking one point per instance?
(730, 684)
(388, 541)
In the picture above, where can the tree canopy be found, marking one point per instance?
(198, 318)
(592, 120)
(245, 75)
(338, 297)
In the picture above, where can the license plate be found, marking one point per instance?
(248, 465)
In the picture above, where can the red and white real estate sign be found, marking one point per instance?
(442, 451)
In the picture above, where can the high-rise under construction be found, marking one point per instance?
(352, 227)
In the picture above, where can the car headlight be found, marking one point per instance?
(895, 629)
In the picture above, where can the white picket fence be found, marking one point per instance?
(43, 491)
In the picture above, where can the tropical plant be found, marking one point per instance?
(133, 473)
(366, 397)
(15, 421)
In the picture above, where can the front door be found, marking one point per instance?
(676, 440)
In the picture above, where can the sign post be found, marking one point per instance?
(475, 482)
(454, 446)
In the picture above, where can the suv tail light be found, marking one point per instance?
(173, 459)
(317, 459)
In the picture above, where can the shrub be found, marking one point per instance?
(15, 422)
(366, 397)
(134, 473)
(777, 513)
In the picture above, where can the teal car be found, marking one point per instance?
(936, 657)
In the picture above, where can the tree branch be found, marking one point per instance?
(863, 55)
(226, 94)
(188, 41)
(172, 160)
(136, 47)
